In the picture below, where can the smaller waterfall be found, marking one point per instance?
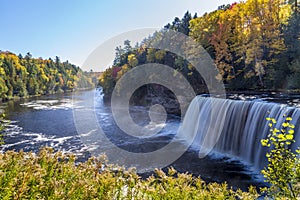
(234, 127)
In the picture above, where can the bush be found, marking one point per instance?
(2, 123)
(50, 175)
(283, 170)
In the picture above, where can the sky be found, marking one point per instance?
(73, 29)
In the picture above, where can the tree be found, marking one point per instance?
(245, 39)
(127, 46)
(28, 56)
(181, 25)
(132, 60)
(30, 76)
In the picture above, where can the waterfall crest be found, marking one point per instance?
(234, 127)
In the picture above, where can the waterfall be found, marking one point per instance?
(234, 127)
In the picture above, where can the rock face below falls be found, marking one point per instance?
(165, 98)
(150, 95)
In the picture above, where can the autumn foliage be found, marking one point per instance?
(26, 76)
(254, 43)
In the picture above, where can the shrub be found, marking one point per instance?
(55, 175)
(2, 123)
(283, 169)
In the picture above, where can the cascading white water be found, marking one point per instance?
(234, 127)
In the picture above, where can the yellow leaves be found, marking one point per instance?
(53, 71)
(243, 25)
(160, 55)
(15, 61)
(132, 60)
(285, 124)
(101, 79)
(190, 67)
(124, 69)
(68, 72)
(292, 126)
(70, 84)
(75, 78)
(285, 13)
(271, 120)
(270, 124)
(282, 137)
(289, 137)
(44, 77)
(281, 171)
(265, 142)
(35, 76)
(275, 130)
(2, 71)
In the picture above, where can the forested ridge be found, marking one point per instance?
(255, 45)
(24, 76)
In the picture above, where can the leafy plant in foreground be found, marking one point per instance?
(1, 128)
(56, 175)
(283, 170)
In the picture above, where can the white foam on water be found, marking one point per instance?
(6, 146)
(61, 140)
(18, 138)
(88, 133)
(64, 104)
(155, 126)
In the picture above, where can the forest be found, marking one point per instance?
(255, 45)
(27, 76)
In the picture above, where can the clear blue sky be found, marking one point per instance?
(72, 29)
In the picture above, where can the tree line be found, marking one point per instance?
(255, 45)
(23, 76)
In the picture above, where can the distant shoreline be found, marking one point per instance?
(16, 98)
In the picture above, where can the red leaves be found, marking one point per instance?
(115, 71)
(232, 5)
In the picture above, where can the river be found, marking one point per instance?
(49, 121)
